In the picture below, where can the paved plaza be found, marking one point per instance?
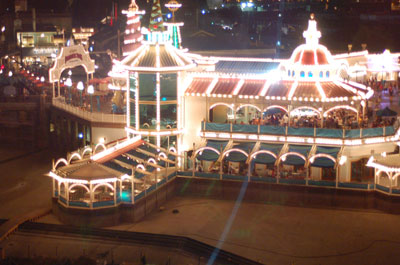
(272, 234)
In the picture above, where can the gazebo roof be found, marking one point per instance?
(88, 171)
(157, 57)
(390, 163)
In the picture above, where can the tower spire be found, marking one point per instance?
(156, 20)
(133, 36)
(312, 35)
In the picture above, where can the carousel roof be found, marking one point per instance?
(284, 89)
(157, 57)
(309, 75)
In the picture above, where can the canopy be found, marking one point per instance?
(264, 158)
(323, 161)
(209, 155)
(236, 156)
(296, 160)
(386, 112)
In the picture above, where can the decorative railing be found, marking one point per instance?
(295, 131)
(87, 115)
(368, 186)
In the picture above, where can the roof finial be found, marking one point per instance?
(312, 35)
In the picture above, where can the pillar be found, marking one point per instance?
(67, 192)
(91, 195)
(115, 192)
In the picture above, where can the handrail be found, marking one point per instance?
(87, 115)
(362, 132)
(186, 244)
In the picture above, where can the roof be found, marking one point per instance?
(245, 67)
(388, 163)
(157, 57)
(202, 86)
(88, 171)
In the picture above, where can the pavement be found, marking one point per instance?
(274, 234)
(24, 188)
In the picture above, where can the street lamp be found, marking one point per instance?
(42, 79)
(68, 83)
(80, 87)
(10, 74)
(91, 91)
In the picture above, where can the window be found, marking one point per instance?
(288, 72)
(327, 74)
(293, 73)
(147, 87)
(310, 74)
(302, 74)
(321, 74)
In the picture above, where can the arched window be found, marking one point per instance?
(302, 74)
(327, 73)
(288, 72)
(321, 74)
(293, 73)
(310, 74)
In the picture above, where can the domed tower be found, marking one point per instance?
(156, 71)
(310, 61)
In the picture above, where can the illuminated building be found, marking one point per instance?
(195, 112)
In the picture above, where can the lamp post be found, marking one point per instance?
(80, 87)
(68, 83)
(91, 91)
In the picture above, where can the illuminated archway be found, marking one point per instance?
(306, 107)
(74, 155)
(254, 155)
(205, 148)
(61, 160)
(283, 157)
(103, 184)
(340, 107)
(87, 149)
(234, 150)
(276, 107)
(99, 145)
(79, 185)
(312, 159)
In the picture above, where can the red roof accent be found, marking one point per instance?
(225, 86)
(199, 85)
(333, 90)
(321, 57)
(252, 87)
(308, 58)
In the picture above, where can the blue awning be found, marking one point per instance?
(235, 156)
(323, 161)
(264, 158)
(296, 160)
(209, 155)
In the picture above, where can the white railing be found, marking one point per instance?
(87, 115)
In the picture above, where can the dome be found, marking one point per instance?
(311, 53)
(306, 56)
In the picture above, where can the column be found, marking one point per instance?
(133, 186)
(158, 109)
(91, 195)
(54, 188)
(67, 192)
(115, 192)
